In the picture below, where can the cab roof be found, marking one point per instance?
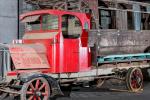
(50, 11)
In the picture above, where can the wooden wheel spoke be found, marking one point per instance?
(134, 84)
(39, 98)
(137, 73)
(37, 84)
(36, 89)
(138, 84)
(31, 97)
(44, 93)
(134, 79)
(34, 97)
(42, 86)
(30, 92)
(32, 87)
(137, 81)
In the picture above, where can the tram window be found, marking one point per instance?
(107, 19)
(145, 25)
(71, 27)
(49, 22)
(143, 8)
(130, 20)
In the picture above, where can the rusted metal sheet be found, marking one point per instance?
(28, 56)
(120, 42)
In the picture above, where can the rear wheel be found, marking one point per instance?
(36, 89)
(134, 79)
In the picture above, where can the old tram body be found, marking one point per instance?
(60, 48)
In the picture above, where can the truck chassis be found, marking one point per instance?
(43, 84)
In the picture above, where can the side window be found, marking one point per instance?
(71, 27)
(107, 19)
(49, 22)
(145, 17)
(145, 25)
(130, 17)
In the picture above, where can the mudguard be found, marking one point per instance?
(52, 82)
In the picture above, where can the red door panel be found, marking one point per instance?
(71, 55)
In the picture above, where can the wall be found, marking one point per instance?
(8, 20)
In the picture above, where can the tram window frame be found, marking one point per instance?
(145, 24)
(109, 17)
(145, 17)
(112, 23)
(130, 20)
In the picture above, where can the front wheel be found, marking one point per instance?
(134, 79)
(36, 89)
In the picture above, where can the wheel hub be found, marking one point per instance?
(38, 93)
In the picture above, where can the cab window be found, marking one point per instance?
(71, 27)
(41, 22)
(49, 22)
(32, 23)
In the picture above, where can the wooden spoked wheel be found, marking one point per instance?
(134, 79)
(36, 89)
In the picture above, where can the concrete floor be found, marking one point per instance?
(105, 94)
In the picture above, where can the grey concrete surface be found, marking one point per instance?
(105, 94)
(8, 20)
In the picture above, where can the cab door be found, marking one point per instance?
(71, 31)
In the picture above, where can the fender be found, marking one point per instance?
(52, 82)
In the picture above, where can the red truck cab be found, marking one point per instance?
(64, 35)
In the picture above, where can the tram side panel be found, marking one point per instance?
(111, 42)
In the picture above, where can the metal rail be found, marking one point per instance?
(124, 58)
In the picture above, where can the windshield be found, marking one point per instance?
(41, 22)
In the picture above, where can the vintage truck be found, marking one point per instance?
(62, 48)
